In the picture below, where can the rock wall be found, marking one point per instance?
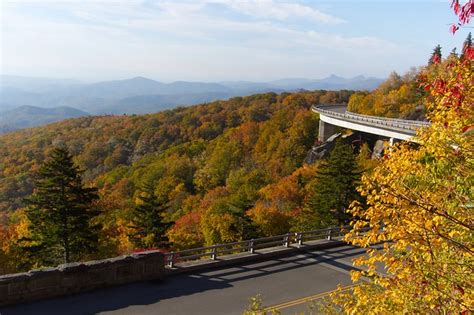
(322, 150)
(80, 277)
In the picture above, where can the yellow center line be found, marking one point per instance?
(305, 299)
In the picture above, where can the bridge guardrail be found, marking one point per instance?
(285, 240)
(397, 120)
(409, 125)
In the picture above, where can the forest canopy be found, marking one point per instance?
(402, 96)
(223, 171)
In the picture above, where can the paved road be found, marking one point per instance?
(341, 109)
(224, 291)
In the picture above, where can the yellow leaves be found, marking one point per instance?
(418, 194)
(429, 225)
(219, 227)
(438, 219)
(269, 220)
(454, 234)
(355, 276)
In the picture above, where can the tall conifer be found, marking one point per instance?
(148, 224)
(334, 189)
(60, 212)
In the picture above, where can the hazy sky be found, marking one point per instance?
(220, 40)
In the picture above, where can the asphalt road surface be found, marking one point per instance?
(224, 291)
(337, 109)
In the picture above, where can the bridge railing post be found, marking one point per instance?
(171, 260)
(299, 238)
(286, 240)
(251, 248)
(214, 253)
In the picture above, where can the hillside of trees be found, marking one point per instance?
(402, 96)
(222, 171)
(397, 97)
(206, 174)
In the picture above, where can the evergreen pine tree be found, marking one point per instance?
(467, 44)
(60, 212)
(147, 223)
(453, 53)
(436, 55)
(334, 189)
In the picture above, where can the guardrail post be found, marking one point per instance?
(329, 234)
(299, 238)
(213, 253)
(171, 260)
(251, 249)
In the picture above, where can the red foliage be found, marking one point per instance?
(453, 28)
(464, 13)
(187, 220)
(469, 53)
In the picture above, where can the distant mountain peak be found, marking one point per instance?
(140, 78)
(333, 77)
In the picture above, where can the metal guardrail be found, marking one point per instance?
(402, 124)
(397, 120)
(285, 240)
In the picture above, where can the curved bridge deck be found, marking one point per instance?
(337, 115)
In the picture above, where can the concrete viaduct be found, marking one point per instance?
(332, 116)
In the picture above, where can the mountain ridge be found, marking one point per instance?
(141, 95)
(30, 116)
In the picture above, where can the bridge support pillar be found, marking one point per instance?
(325, 130)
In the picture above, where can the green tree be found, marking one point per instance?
(60, 213)
(334, 189)
(453, 53)
(147, 223)
(225, 156)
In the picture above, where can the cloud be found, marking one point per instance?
(258, 9)
(186, 40)
(270, 9)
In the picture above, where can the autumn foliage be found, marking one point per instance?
(464, 13)
(405, 96)
(420, 205)
(222, 171)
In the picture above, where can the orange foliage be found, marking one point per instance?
(186, 233)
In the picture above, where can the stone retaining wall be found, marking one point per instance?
(80, 277)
